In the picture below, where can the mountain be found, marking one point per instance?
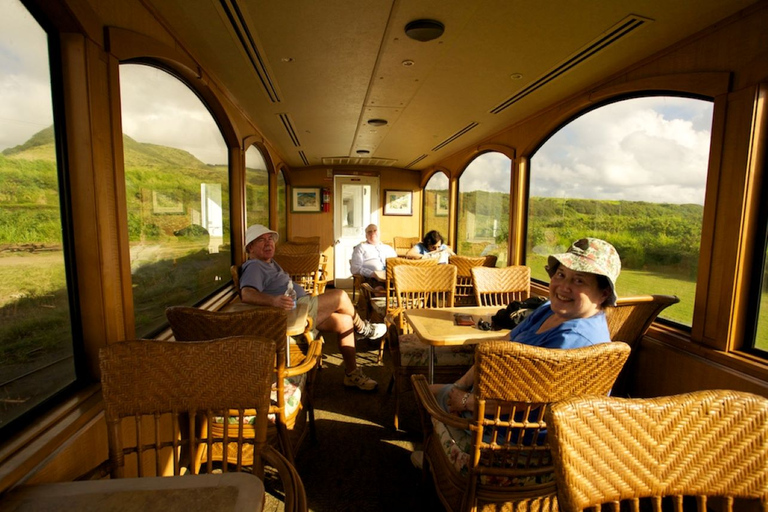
(137, 154)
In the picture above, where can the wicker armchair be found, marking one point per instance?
(403, 244)
(382, 308)
(304, 270)
(638, 452)
(193, 324)
(499, 457)
(465, 289)
(501, 286)
(422, 287)
(163, 386)
(628, 321)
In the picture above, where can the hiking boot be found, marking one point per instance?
(371, 331)
(357, 379)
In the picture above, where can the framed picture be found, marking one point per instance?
(305, 199)
(441, 205)
(398, 202)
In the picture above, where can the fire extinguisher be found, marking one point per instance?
(326, 199)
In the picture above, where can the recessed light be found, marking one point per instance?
(408, 63)
(363, 152)
(516, 76)
(424, 30)
(377, 122)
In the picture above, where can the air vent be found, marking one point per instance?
(236, 19)
(613, 35)
(303, 158)
(454, 136)
(349, 160)
(419, 159)
(288, 125)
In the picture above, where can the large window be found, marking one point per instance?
(282, 209)
(633, 173)
(436, 204)
(177, 193)
(483, 226)
(256, 188)
(36, 342)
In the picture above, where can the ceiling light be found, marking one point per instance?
(363, 152)
(377, 122)
(516, 76)
(424, 30)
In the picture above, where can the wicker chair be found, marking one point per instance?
(403, 244)
(628, 321)
(300, 245)
(382, 308)
(304, 269)
(422, 287)
(627, 452)
(193, 324)
(500, 455)
(501, 286)
(465, 289)
(163, 386)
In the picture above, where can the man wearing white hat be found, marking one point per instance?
(263, 283)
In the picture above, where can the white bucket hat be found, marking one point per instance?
(256, 231)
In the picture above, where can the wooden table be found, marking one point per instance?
(436, 328)
(231, 492)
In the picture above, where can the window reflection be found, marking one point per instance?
(256, 188)
(436, 204)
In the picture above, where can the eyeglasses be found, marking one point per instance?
(371, 231)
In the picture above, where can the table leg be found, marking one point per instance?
(431, 366)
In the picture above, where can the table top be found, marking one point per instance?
(297, 317)
(436, 326)
(233, 492)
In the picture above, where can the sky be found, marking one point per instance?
(649, 149)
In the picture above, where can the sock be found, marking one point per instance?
(358, 322)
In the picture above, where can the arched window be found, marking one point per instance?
(256, 188)
(282, 211)
(177, 194)
(633, 173)
(483, 226)
(37, 356)
(436, 204)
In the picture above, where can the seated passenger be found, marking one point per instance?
(431, 246)
(582, 282)
(264, 283)
(369, 258)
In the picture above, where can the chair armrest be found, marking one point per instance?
(314, 350)
(295, 495)
(430, 405)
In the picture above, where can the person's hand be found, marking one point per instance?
(456, 401)
(282, 301)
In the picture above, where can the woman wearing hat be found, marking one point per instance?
(582, 282)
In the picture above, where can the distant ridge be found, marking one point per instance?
(137, 154)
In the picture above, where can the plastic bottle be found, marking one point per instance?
(290, 292)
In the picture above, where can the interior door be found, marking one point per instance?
(356, 204)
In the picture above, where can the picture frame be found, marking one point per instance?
(398, 202)
(441, 205)
(306, 200)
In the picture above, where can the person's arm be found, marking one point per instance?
(253, 296)
(414, 253)
(356, 263)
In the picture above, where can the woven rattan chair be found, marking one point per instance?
(500, 286)
(382, 308)
(403, 244)
(193, 324)
(704, 444)
(300, 245)
(465, 289)
(422, 287)
(628, 321)
(304, 269)
(500, 455)
(161, 387)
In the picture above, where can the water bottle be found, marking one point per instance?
(290, 292)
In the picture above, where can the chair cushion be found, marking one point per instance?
(456, 444)
(415, 353)
(293, 389)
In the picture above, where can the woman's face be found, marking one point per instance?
(575, 294)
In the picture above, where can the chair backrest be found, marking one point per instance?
(195, 324)
(292, 247)
(304, 269)
(703, 444)
(501, 286)
(514, 385)
(392, 263)
(403, 244)
(425, 286)
(628, 321)
(465, 291)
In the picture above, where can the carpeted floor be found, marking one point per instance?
(359, 462)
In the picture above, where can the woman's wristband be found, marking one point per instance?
(464, 401)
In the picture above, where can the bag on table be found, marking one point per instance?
(515, 312)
